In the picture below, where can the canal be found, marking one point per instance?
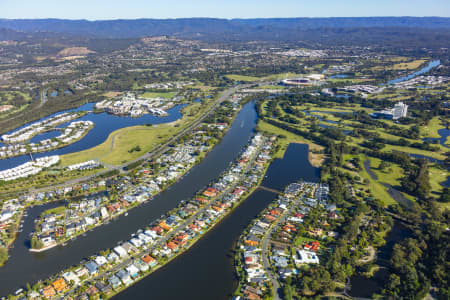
(26, 267)
(206, 271)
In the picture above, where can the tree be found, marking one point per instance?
(383, 165)
(3, 255)
(36, 243)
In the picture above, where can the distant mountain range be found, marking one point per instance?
(207, 26)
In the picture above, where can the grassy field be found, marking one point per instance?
(55, 210)
(166, 95)
(431, 130)
(271, 87)
(242, 78)
(351, 80)
(115, 150)
(314, 158)
(245, 78)
(283, 76)
(409, 65)
(436, 177)
(112, 94)
(391, 175)
(378, 190)
(412, 65)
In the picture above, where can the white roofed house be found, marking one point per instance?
(119, 250)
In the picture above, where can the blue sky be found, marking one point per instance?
(131, 9)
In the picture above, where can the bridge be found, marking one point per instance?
(264, 188)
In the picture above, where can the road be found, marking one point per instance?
(265, 245)
(163, 240)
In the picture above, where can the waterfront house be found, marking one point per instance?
(119, 250)
(172, 246)
(133, 271)
(143, 267)
(114, 281)
(100, 260)
(210, 192)
(59, 285)
(92, 268)
(252, 241)
(92, 291)
(145, 238)
(158, 230)
(48, 292)
(112, 257)
(80, 272)
(164, 226)
(136, 242)
(151, 234)
(124, 276)
(257, 230)
(102, 287)
(149, 260)
(70, 277)
(128, 247)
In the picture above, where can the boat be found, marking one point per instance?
(126, 214)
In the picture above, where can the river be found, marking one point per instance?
(26, 267)
(432, 64)
(206, 271)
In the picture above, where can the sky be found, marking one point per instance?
(162, 9)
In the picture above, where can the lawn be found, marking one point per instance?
(314, 158)
(56, 210)
(412, 65)
(301, 239)
(283, 76)
(436, 177)
(166, 95)
(378, 190)
(115, 150)
(431, 130)
(390, 176)
(242, 78)
(409, 65)
(112, 94)
(415, 151)
(271, 87)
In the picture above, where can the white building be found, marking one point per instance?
(400, 110)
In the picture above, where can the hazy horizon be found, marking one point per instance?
(232, 9)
